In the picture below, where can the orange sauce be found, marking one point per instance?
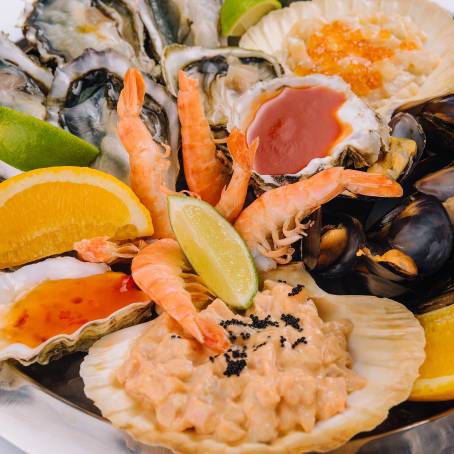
(294, 127)
(335, 42)
(63, 306)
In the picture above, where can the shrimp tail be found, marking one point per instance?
(240, 151)
(131, 99)
(370, 184)
(214, 336)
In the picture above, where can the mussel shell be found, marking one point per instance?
(23, 83)
(83, 100)
(420, 228)
(439, 184)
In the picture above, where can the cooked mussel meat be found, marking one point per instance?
(83, 100)
(23, 83)
(441, 185)
(63, 29)
(223, 74)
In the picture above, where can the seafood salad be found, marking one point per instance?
(234, 219)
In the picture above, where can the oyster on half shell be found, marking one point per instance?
(422, 26)
(387, 349)
(15, 285)
(23, 83)
(83, 99)
(223, 74)
(63, 29)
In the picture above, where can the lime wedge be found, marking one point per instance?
(28, 143)
(239, 15)
(215, 250)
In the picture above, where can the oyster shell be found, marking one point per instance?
(63, 29)
(427, 17)
(387, 347)
(224, 74)
(23, 83)
(83, 100)
(14, 285)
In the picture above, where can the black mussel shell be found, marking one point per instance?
(341, 238)
(439, 302)
(439, 184)
(421, 229)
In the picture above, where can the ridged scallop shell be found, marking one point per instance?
(387, 347)
(436, 22)
(84, 337)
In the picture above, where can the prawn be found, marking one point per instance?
(274, 221)
(148, 160)
(161, 271)
(205, 173)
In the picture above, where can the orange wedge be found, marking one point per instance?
(43, 212)
(436, 380)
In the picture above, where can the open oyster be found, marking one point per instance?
(63, 29)
(83, 99)
(23, 84)
(61, 305)
(306, 124)
(386, 347)
(223, 74)
(393, 53)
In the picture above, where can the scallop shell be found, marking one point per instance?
(387, 346)
(85, 336)
(436, 22)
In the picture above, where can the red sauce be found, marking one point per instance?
(294, 127)
(62, 307)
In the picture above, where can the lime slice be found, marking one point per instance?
(28, 143)
(215, 250)
(239, 15)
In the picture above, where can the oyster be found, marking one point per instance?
(292, 145)
(416, 62)
(83, 100)
(63, 29)
(386, 345)
(23, 84)
(14, 286)
(223, 74)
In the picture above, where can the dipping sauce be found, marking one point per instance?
(63, 306)
(294, 127)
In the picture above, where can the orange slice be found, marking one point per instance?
(43, 212)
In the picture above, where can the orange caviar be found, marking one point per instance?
(339, 49)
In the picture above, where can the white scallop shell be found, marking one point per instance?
(436, 22)
(28, 277)
(387, 347)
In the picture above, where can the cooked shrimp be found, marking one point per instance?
(101, 250)
(148, 159)
(273, 222)
(161, 271)
(233, 196)
(205, 174)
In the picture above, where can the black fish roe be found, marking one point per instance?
(262, 324)
(256, 347)
(175, 336)
(245, 336)
(239, 354)
(296, 290)
(281, 281)
(301, 340)
(291, 320)
(232, 336)
(232, 322)
(235, 368)
(283, 340)
(212, 358)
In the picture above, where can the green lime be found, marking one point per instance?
(215, 250)
(239, 15)
(28, 143)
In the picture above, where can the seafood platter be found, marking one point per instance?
(227, 226)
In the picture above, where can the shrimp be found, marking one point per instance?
(161, 271)
(149, 162)
(273, 222)
(205, 173)
(102, 250)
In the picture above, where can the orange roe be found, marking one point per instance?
(337, 41)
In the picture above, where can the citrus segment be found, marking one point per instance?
(215, 250)
(29, 143)
(44, 212)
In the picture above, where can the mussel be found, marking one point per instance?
(83, 100)
(23, 83)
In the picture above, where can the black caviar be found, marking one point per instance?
(296, 290)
